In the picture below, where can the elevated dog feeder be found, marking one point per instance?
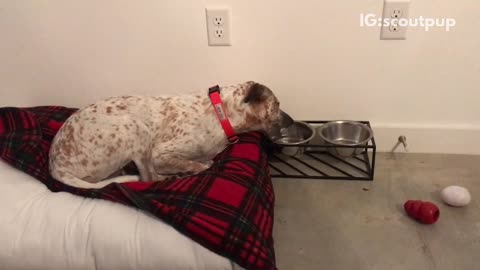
(316, 160)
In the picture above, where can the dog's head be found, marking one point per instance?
(263, 109)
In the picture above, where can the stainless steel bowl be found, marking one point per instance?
(345, 133)
(298, 133)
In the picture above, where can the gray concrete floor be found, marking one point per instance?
(335, 225)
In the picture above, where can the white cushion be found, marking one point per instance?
(40, 229)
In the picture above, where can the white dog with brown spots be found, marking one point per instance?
(163, 136)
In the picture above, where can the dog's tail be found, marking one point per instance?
(79, 183)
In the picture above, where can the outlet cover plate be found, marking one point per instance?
(393, 12)
(219, 26)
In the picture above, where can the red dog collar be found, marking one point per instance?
(214, 94)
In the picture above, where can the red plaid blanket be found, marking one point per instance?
(228, 208)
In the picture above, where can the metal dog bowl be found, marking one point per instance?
(345, 133)
(298, 133)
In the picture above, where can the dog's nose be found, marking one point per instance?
(285, 119)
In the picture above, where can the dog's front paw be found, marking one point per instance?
(180, 168)
(160, 177)
(209, 163)
(173, 176)
(195, 167)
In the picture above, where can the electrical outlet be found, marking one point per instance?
(219, 32)
(218, 20)
(396, 13)
(218, 26)
(395, 19)
(393, 28)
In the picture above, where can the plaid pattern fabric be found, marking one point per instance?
(228, 208)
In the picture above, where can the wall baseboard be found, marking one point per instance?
(446, 139)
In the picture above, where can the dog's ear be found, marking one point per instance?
(256, 94)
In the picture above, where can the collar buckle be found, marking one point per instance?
(214, 89)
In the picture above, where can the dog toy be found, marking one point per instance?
(424, 212)
(456, 196)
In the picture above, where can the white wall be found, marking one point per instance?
(313, 54)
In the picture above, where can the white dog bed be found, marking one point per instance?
(40, 229)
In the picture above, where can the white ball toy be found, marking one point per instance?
(456, 196)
